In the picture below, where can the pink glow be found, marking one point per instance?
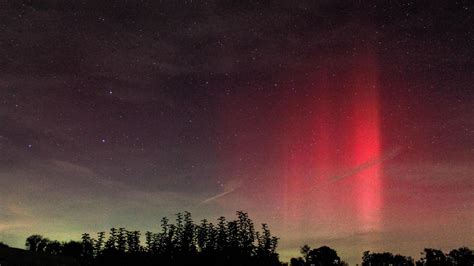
(367, 143)
(340, 136)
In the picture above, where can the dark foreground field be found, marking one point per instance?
(19, 257)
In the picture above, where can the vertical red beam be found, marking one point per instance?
(342, 135)
(367, 141)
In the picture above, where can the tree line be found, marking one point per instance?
(234, 242)
(231, 243)
(326, 256)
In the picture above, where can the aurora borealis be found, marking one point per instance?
(340, 124)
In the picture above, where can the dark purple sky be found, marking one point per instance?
(120, 112)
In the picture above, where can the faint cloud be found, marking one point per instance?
(368, 164)
(228, 188)
(14, 216)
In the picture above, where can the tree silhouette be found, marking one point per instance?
(230, 243)
(87, 248)
(304, 250)
(53, 248)
(266, 247)
(457, 257)
(149, 242)
(234, 242)
(133, 241)
(297, 262)
(36, 243)
(461, 257)
(99, 243)
(221, 234)
(245, 233)
(121, 240)
(322, 256)
(72, 249)
(110, 244)
(385, 259)
(432, 257)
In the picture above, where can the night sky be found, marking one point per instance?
(348, 125)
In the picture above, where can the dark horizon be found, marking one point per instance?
(236, 241)
(347, 124)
